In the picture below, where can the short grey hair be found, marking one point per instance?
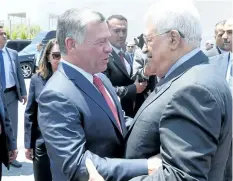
(180, 15)
(73, 23)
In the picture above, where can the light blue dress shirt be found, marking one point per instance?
(182, 60)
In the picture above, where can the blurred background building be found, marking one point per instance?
(45, 12)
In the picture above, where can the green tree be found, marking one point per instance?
(23, 32)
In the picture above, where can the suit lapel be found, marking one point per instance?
(11, 60)
(83, 84)
(13, 66)
(165, 83)
(222, 63)
(152, 97)
(117, 61)
(226, 63)
(117, 104)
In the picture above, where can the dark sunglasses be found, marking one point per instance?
(56, 55)
(3, 33)
(130, 46)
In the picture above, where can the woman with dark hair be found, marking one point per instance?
(34, 143)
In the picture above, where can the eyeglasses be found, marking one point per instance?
(130, 46)
(149, 39)
(3, 33)
(56, 55)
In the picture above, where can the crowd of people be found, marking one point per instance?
(155, 108)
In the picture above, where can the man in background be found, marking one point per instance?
(39, 49)
(130, 50)
(13, 84)
(8, 151)
(224, 65)
(218, 48)
(119, 69)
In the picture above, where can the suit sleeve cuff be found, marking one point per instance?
(140, 167)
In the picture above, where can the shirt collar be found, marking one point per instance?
(182, 60)
(4, 49)
(222, 51)
(117, 50)
(87, 75)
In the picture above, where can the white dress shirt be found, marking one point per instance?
(228, 75)
(38, 55)
(127, 65)
(9, 66)
(88, 76)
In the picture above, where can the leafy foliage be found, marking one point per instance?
(22, 32)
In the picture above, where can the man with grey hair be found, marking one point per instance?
(187, 119)
(79, 113)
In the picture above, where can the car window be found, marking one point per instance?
(30, 49)
(39, 37)
(12, 45)
(22, 45)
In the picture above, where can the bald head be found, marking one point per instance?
(227, 36)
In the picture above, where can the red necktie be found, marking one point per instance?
(100, 86)
(121, 55)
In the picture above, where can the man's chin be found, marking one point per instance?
(228, 47)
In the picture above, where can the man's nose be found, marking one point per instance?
(121, 34)
(224, 36)
(108, 48)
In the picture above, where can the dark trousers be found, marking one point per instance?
(12, 108)
(41, 164)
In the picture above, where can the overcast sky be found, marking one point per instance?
(211, 11)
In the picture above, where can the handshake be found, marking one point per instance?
(153, 164)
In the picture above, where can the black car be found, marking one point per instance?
(17, 45)
(27, 55)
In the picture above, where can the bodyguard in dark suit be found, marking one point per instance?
(119, 69)
(8, 151)
(34, 143)
(79, 113)
(188, 118)
(13, 84)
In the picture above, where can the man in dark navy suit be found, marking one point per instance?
(79, 113)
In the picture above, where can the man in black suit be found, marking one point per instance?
(188, 118)
(119, 68)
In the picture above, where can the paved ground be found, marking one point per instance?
(24, 173)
